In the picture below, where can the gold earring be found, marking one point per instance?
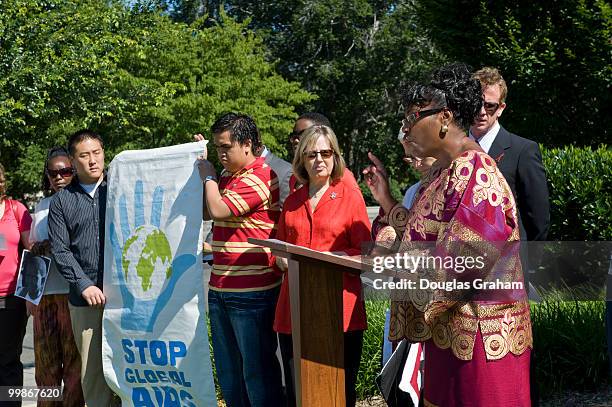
(444, 129)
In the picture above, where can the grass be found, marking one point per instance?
(570, 345)
(371, 356)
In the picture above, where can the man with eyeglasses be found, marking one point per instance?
(520, 162)
(304, 122)
(281, 167)
(519, 159)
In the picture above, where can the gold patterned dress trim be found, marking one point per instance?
(505, 328)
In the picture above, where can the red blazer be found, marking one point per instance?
(339, 223)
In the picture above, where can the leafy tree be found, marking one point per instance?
(132, 74)
(556, 56)
(354, 55)
(57, 73)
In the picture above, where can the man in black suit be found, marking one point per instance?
(518, 158)
(520, 162)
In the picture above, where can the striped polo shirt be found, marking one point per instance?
(252, 194)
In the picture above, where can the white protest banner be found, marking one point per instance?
(155, 343)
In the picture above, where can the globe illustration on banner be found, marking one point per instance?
(147, 261)
(147, 270)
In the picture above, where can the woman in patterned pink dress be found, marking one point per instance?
(477, 345)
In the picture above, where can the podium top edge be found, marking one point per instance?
(289, 249)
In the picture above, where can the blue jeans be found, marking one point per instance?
(244, 346)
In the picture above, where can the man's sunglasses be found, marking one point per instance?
(490, 107)
(64, 172)
(295, 135)
(324, 153)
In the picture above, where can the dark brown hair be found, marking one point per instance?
(82, 135)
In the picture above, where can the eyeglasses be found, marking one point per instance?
(324, 153)
(64, 172)
(295, 135)
(490, 107)
(410, 120)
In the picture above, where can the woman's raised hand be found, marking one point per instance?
(377, 180)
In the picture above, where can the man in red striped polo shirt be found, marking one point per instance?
(243, 203)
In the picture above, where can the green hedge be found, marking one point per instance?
(580, 185)
(371, 356)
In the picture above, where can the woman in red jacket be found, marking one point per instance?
(325, 214)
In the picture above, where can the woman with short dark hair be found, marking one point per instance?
(476, 346)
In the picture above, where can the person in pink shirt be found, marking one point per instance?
(15, 224)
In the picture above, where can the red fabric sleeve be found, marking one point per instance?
(280, 233)
(349, 179)
(292, 183)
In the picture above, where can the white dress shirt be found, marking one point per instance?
(487, 140)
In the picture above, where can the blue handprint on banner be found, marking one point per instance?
(146, 271)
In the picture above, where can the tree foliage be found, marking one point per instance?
(556, 56)
(151, 72)
(354, 55)
(132, 74)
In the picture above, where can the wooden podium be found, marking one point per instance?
(315, 290)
